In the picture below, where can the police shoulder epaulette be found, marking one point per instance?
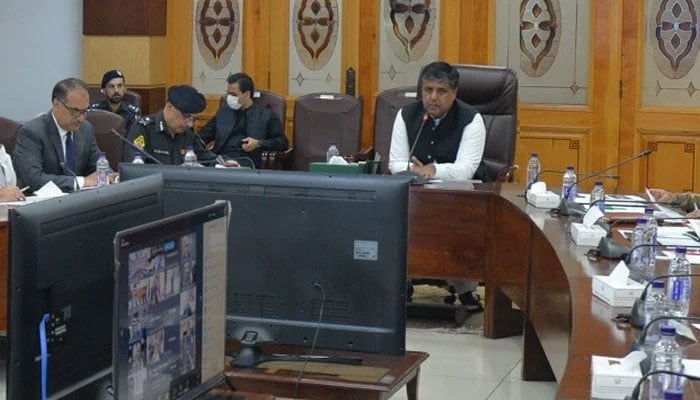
(132, 108)
(95, 106)
(146, 120)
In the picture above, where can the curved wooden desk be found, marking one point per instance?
(523, 255)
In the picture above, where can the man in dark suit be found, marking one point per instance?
(243, 128)
(60, 145)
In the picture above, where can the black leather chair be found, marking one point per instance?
(389, 102)
(8, 133)
(321, 118)
(493, 91)
(102, 121)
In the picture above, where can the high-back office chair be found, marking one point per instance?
(103, 121)
(278, 105)
(8, 133)
(389, 102)
(321, 118)
(130, 97)
(493, 91)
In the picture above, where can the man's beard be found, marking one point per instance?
(115, 99)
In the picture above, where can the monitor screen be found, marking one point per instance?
(170, 299)
(298, 236)
(62, 265)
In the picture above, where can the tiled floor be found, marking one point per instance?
(471, 367)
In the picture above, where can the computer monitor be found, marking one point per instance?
(62, 265)
(298, 235)
(170, 299)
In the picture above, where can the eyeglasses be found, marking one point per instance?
(75, 112)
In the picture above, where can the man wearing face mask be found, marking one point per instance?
(243, 128)
(167, 134)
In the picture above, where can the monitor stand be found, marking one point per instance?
(251, 354)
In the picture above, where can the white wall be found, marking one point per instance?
(41, 42)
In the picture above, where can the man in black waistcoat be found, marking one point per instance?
(243, 128)
(449, 146)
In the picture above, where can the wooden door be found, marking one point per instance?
(660, 103)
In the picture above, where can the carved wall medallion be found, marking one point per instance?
(315, 27)
(675, 42)
(217, 26)
(409, 26)
(540, 33)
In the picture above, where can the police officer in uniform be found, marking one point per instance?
(113, 88)
(166, 134)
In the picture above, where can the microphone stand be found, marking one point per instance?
(640, 382)
(638, 344)
(135, 147)
(71, 173)
(416, 178)
(566, 210)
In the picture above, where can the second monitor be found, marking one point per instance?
(306, 248)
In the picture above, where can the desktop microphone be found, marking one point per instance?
(417, 179)
(71, 173)
(640, 382)
(135, 147)
(638, 344)
(637, 313)
(564, 207)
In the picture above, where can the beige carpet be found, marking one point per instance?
(427, 294)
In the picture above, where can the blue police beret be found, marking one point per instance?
(109, 75)
(187, 99)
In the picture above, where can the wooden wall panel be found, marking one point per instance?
(178, 50)
(477, 38)
(257, 32)
(124, 17)
(673, 163)
(141, 58)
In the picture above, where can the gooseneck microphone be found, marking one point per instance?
(65, 167)
(564, 207)
(637, 313)
(640, 382)
(638, 344)
(135, 147)
(417, 179)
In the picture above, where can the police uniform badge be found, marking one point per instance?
(140, 141)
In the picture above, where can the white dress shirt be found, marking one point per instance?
(469, 154)
(8, 178)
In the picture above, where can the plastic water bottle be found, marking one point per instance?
(598, 194)
(637, 258)
(679, 287)
(190, 157)
(332, 151)
(655, 305)
(138, 159)
(533, 169)
(649, 252)
(667, 356)
(102, 170)
(568, 186)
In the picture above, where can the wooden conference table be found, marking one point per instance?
(489, 233)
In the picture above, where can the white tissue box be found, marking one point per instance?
(585, 236)
(546, 199)
(615, 293)
(609, 382)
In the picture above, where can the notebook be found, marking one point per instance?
(169, 306)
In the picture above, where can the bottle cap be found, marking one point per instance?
(667, 330)
(570, 167)
(649, 210)
(598, 183)
(658, 284)
(533, 154)
(333, 143)
(681, 250)
(190, 148)
(103, 154)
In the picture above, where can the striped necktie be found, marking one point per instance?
(69, 152)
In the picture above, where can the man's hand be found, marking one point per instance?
(250, 144)
(662, 195)
(114, 177)
(11, 193)
(694, 214)
(231, 163)
(426, 171)
(90, 180)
